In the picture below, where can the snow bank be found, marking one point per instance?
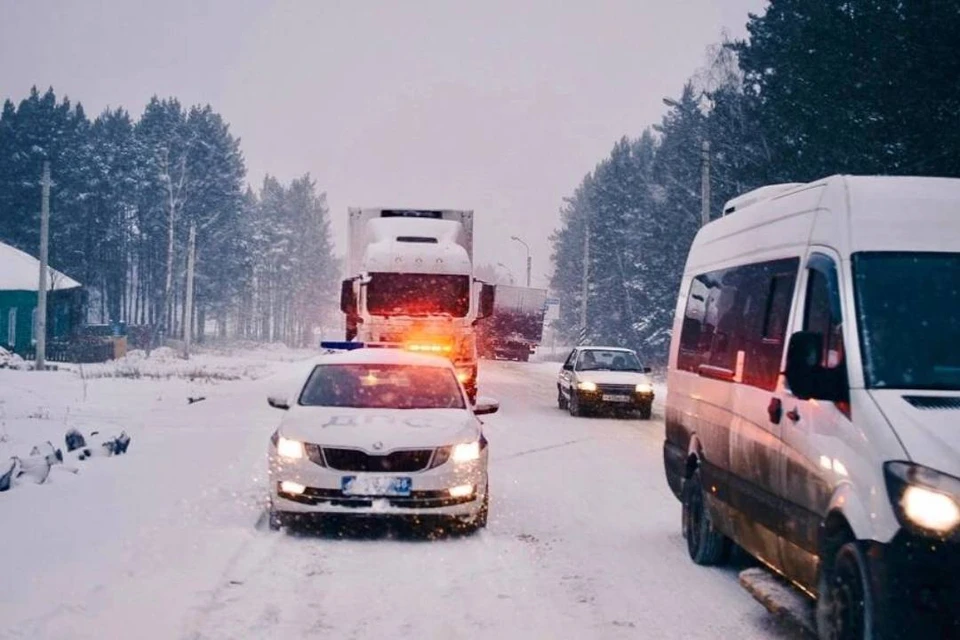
(10, 360)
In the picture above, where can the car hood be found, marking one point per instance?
(614, 377)
(928, 427)
(380, 431)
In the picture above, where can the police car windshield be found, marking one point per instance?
(608, 360)
(382, 386)
(908, 306)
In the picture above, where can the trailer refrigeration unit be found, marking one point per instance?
(411, 284)
(514, 329)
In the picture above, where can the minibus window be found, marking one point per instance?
(908, 316)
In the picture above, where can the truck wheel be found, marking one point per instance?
(845, 606)
(705, 544)
(561, 401)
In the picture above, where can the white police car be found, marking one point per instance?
(377, 431)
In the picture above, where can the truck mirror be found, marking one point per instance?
(487, 295)
(348, 298)
(806, 377)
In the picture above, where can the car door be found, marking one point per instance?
(815, 433)
(566, 374)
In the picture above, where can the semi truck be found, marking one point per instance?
(410, 284)
(514, 329)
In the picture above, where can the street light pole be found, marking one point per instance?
(529, 261)
(508, 270)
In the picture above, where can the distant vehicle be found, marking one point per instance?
(604, 377)
(843, 475)
(375, 432)
(411, 283)
(515, 327)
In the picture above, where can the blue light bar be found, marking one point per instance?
(342, 346)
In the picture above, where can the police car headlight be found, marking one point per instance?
(924, 500)
(292, 449)
(466, 452)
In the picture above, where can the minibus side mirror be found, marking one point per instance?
(487, 293)
(806, 378)
(348, 299)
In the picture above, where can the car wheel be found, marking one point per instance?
(573, 405)
(705, 544)
(845, 607)
(646, 411)
(275, 520)
(479, 521)
(561, 401)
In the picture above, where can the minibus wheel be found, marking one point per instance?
(705, 544)
(845, 607)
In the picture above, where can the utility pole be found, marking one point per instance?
(586, 282)
(188, 303)
(529, 261)
(40, 326)
(704, 182)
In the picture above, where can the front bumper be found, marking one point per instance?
(429, 496)
(916, 586)
(594, 400)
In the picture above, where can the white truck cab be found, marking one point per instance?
(813, 404)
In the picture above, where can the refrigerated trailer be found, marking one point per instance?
(515, 328)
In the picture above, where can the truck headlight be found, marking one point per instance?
(644, 388)
(287, 448)
(924, 500)
(586, 385)
(466, 452)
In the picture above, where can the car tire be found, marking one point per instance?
(845, 605)
(573, 405)
(705, 544)
(561, 401)
(478, 521)
(646, 412)
(275, 520)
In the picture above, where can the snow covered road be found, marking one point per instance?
(583, 541)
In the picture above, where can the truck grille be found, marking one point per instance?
(355, 460)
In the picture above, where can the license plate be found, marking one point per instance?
(375, 486)
(616, 398)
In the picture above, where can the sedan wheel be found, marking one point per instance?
(574, 405)
(561, 401)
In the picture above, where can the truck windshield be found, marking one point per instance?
(418, 294)
(382, 386)
(908, 308)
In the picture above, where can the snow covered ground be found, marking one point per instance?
(583, 541)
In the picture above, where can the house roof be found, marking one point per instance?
(20, 271)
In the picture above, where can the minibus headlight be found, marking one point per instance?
(925, 501)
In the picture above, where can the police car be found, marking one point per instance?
(379, 431)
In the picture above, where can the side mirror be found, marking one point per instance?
(647, 370)
(806, 378)
(278, 402)
(348, 298)
(487, 296)
(486, 406)
(567, 366)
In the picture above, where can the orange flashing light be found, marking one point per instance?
(430, 348)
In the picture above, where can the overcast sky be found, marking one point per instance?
(499, 106)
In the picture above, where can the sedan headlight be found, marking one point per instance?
(287, 448)
(586, 385)
(924, 500)
(644, 388)
(466, 452)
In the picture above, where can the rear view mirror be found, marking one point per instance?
(486, 406)
(348, 298)
(487, 295)
(278, 402)
(806, 378)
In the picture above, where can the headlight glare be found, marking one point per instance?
(930, 509)
(643, 387)
(586, 385)
(287, 448)
(466, 452)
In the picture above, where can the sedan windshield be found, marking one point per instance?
(608, 360)
(418, 294)
(908, 307)
(382, 386)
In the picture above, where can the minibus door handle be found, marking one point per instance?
(775, 410)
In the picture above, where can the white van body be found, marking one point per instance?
(783, 476)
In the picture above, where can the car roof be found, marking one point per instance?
(382, 356)
(592, 348)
